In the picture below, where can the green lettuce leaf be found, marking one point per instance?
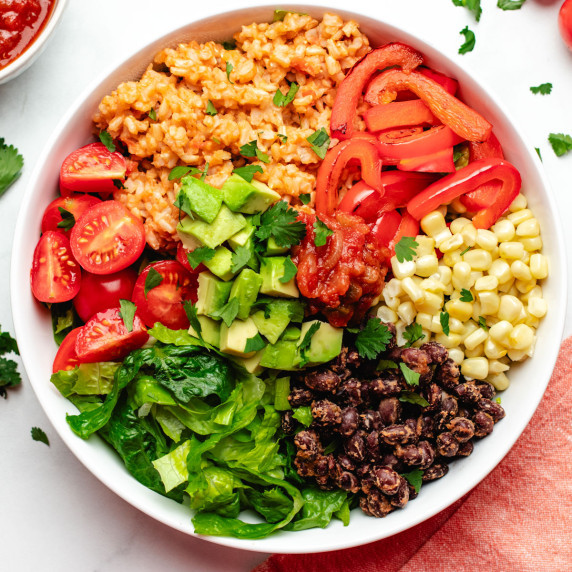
(87, 379)
(319, 507)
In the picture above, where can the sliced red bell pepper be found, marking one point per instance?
(486, 193)
(363, 201)
(398, 114)
(350, 90)
(386, 227)
(466, 180)
(438, 162)
(461, 118)
(408, 226)
(449, 83)
(346, 152)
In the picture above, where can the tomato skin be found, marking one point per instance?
(55, 275)
(105, 337)
(99, 292)
(565, 22)
(107, 238)
(91, 169)
(164, 303)
(66, 358)
(74, 203)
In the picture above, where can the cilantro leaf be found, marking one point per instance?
(68, 220)
(307, 340)
(211, 109)
(303, 415)
(11, 163)
(561, 143)
(320, 141)
(152, 114)
(281, 222)
(247, 172)
(181, 171)
(191, 311)
(473, 6)
(290, 270)
(118, 184)
(469, 43)
(305, 198)
(283, 138)
(199, 255)
(107, 140)
(152, 280)
(279, 15)
(321, 232)
(373, 339)
(405, 248)
(510, 4)
(412, 333)
(466, 295)
(543, 89)
(240, 258)
(538, 153)
(385, 364)
(281, 100)
(466, 250)
(411, 377)
(127, 312)
(254, 344)
(444, 319)
(39, 435)
(483, 323)
(414, 478)
(9, 375)
(229, 45)
(8, 344)
(229, 68)
(228, 312)
(251, 150)
(412, 397)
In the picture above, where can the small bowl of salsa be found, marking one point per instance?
(25, 26)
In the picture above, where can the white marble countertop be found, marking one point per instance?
(54, 514)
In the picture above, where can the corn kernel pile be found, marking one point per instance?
(500, 267)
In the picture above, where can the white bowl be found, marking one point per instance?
(529, 380)
(29, 56)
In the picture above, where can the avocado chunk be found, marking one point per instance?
(210, 331)
(242, 236)
(271, 270)
(245, 288)
(200, 198)
(291, 333)
(189, 242)
(250, 364)
(212, 293)
(242, 196)
(281, 355)
(221, 263)
(273, 320)
(233, 338)
(326, 343)
(272, 249)
(222, 228)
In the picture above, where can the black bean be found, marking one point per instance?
(447, 374)
(349, 423)
(447, 445)
(437, 353)
(349, 482)
(322, 380)
(300, 397)
(461, 428)
(326, 412)
(288, 423)
(355, 446)
(465, 449)
(492, 408)
(484, 424)
(389, 410)
(400, 499)
(435, 472)
(308, 444)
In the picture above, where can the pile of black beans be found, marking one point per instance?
(365, 434)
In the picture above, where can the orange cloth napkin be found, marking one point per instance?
(517, 519)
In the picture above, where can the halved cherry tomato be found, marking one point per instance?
(55, 275)
(164, 303)
(565, 22)
(439, 162)
(107, 238)
(91, 169)
(99, 292)
(106, 338)
(66, 358)
(74, 204)
(181, 256)
(398, 114)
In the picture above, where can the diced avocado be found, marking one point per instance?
(201, 198)
(245, 288)
(241, 237)
(210, 330)
(233, 338)
(250, 364)
(326, 343)
(291, 333)
(221, 263)
(273, 249)
(271, 270)
(189, 242)
(281, 355)
(273, 320)
(212, 293)
(242, 196)
(222, 228)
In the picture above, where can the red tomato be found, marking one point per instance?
(91, 169)
(55, 275)
(74, 204)
(106, 338)
(565, 22)
(107, 238)
(164, 302)
(99, 292)
(182, 258)
(66, 358)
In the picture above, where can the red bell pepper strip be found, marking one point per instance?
(409, 226)
(358, 149)
(466, 180)
(438, 162)
(350, 90)
(449, 83)
(461, 118)
(386, 227)
(486, 193)
(398, 114)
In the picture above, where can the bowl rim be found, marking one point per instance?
(272, 544)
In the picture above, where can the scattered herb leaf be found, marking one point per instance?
(466, 295)
(281, 100)
(538, 153)
(283, 138)
(498, 400)
(11, 163)
(211, 109)
(181, 171)
(152, 114)
(305, 198)
(191, 311)
(251, 150)
(306, 341)
(127, 312)
(483, 323)
(385, 364)
(229, 68)
(39, 435)
(152, 280)
(412, 397)
(411, 377)
(466, 250)
(542, 89)
(320, 141)
(373, 339)
(510, 4)
(290, 270)
(561, 143)
(68, 220)
(240, 258)
(279, 15)
(254, 344)
(304, 415)
(199, 255)
(230, 45)
(118, 184)
(247, 172)
(405, 248)
(228, 312)
(281, 222)
(469, 43)
(473, 6)
(9, 375)
(216, 140)
(321, 232)
(444, 319)
(8, 344)
(414, 478)
(412, 333)
(107, 140)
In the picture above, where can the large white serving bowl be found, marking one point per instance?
(529, 380)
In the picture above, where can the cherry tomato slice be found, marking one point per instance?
(91, 169)
(66, 358)
(565, 22)
(55, 275)
(74, 204)
(182, 258)
(106, 338)
(164, 302)
(107, 238)
(99, 292)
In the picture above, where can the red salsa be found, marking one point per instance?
(21, 21)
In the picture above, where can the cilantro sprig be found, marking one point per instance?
(405, 248)
(107, 140)
(444, 320)
(251, 150)
(281, 222)
(199, 255)
(510, 4)
(127, 312)
(152, 280)
(373, 339)
(469, 44)
(282, 100)
(561, 143)
(9, 375)
(191, 311)
(290, 270)
(68, 220)
(411, 377)
(228, 312)
(39, 435)
(320, 141)
(473, 6)
(240, 258)
(413, 333)
(542, 89)
(321, 232)
(414, 478)
(11, 164)
(254, 344)
(306, 341)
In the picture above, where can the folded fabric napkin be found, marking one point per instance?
(517, 519)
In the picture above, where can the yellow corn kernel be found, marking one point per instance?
(493, 350)
(520, 270)
(521, 337)
(399, 330)
(426, 245)
(514, 291)
(406, 312)
(445, 274)
(520, 216)
(431, 303)
(537, 307)
(500, 331)
(402, 269)
(538, 266)
(412, 290)
(490, 302)
(496, 366)
(510, 308)
(452, 243)
(392, 301)
(457, 206)
(424, 320)
(477, 337)
(433, 224)
(504, 230)
(451, 258)
(470, 327)
(519, 203)
(499, 381)
(531, 244)
(524, 286)
(426, 265)
(511, 250)
(532, 321)
(433, 284)
(393, 288)
(436, 326)
(443, 210)
(528, 229)
(494, 252)
(458, 224)
(536, 292)
(386, 314)
(460, 310)
(475, 368)
(486, 283)
(479, 259)
(477, 351)
(486, 239)
(508, 286)
(462, 275)
(519, 355)
(450, 341)
(457, 355)
(477, 311)
(501, 270)
(456, 326)
(469, 234)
